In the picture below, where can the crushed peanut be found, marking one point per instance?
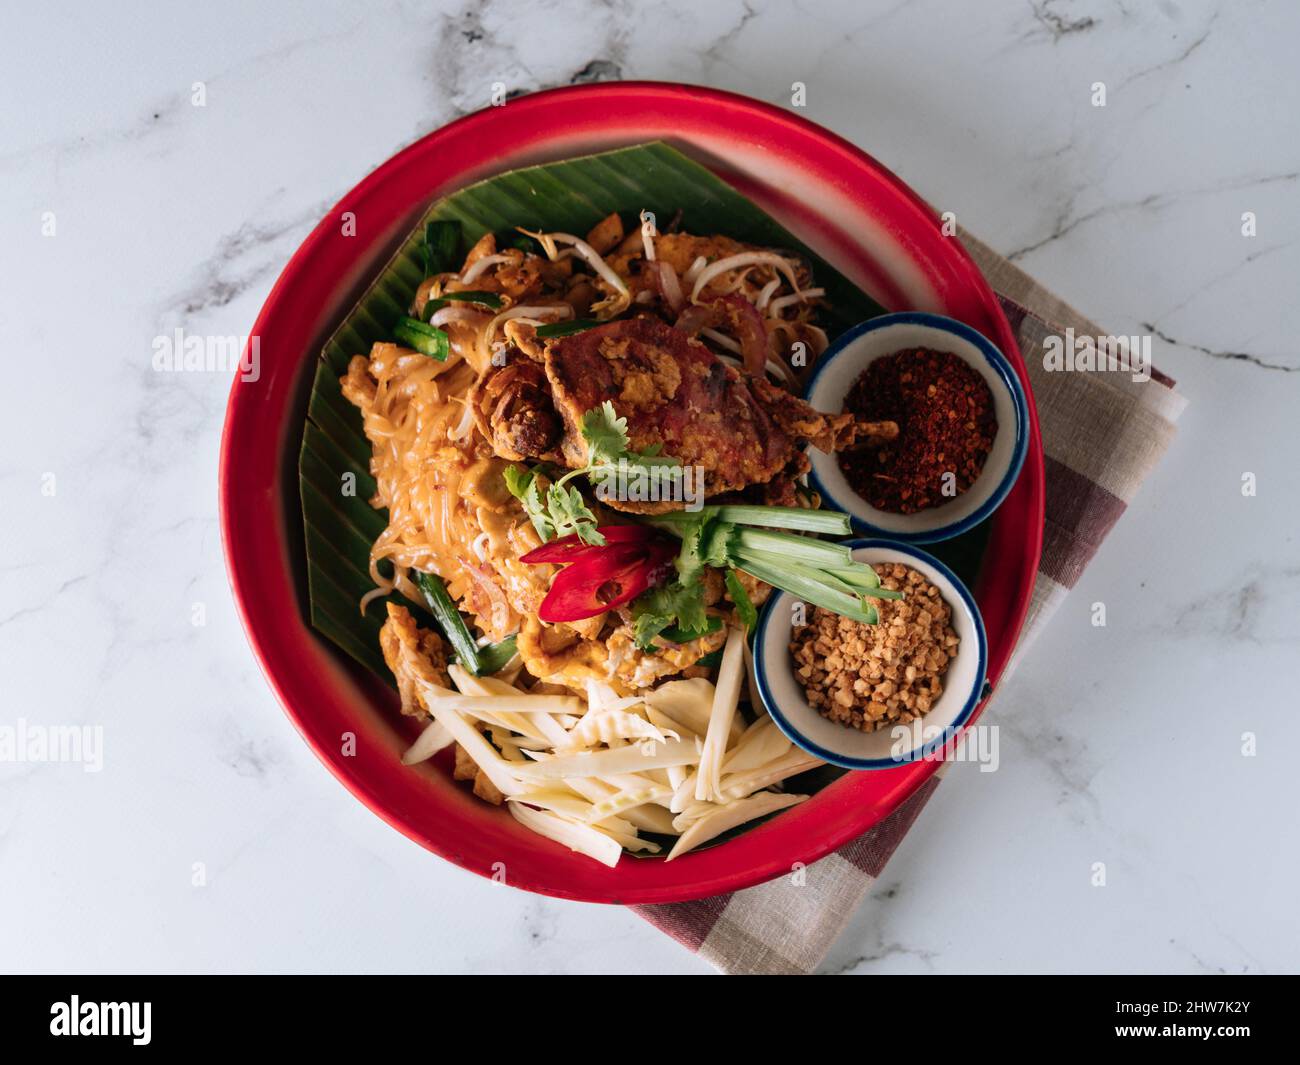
(871, 676)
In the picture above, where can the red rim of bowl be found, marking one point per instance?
(258, 485)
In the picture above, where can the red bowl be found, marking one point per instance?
(832, 195)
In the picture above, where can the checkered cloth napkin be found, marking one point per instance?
(1103, 433)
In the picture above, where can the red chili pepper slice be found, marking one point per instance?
(601, 581)
(570, 548)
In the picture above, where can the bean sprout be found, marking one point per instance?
(489, 331)
(465, 426)
(671, 288)
(749, 258)
(454, 314)
(721, 339)
(693, 271)
(648, 234)
(472, 274)
(616, 303)
(766, 293)
(799, 297)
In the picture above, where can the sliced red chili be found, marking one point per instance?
(614, 575)
(570, 548)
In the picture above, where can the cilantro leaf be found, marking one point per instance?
(744, 605)
(690, 560)
(611, 466)
(522, 484)
(518, 479)
(716, 544)
(691, 616)
(608, 443)
(672, 604)
(705, 542)
(646, 626)
(569, 513)
(606, 435)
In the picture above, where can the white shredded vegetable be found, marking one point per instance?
(485, 756)
(521, 703)
(432, 740)
(742, 784)
(762, 742)
(664, 722)
(724, 817)
(684, 793)
(600, 696)
(609, 725)
(593, 774)
(626, 800)
(581, 838)
(688, 702)
(615, 760)
(629, 841)
(721, 716)
(540, 720)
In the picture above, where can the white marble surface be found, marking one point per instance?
(1120, 745)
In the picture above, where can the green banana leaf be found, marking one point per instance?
(571, 196)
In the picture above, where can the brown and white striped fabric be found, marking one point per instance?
(1103, 433)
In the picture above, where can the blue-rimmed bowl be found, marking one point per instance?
(887, 748)
(843, 363)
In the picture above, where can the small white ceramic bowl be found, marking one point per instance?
(842, 364)
(963, 684)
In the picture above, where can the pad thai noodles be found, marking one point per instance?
(591, 454)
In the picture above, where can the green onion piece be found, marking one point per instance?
(487, 299)
(797, 548)
(679, 635)
(813, 572)
(564, 329)
(423, 338)
(441, 247)
(494, 657)
(813, 591)
(446, 614)
(744, 605)
(669, 519)
(860, 575)
(818, 521)
(864, 578)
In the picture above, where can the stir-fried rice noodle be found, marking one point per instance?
(576, 772)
